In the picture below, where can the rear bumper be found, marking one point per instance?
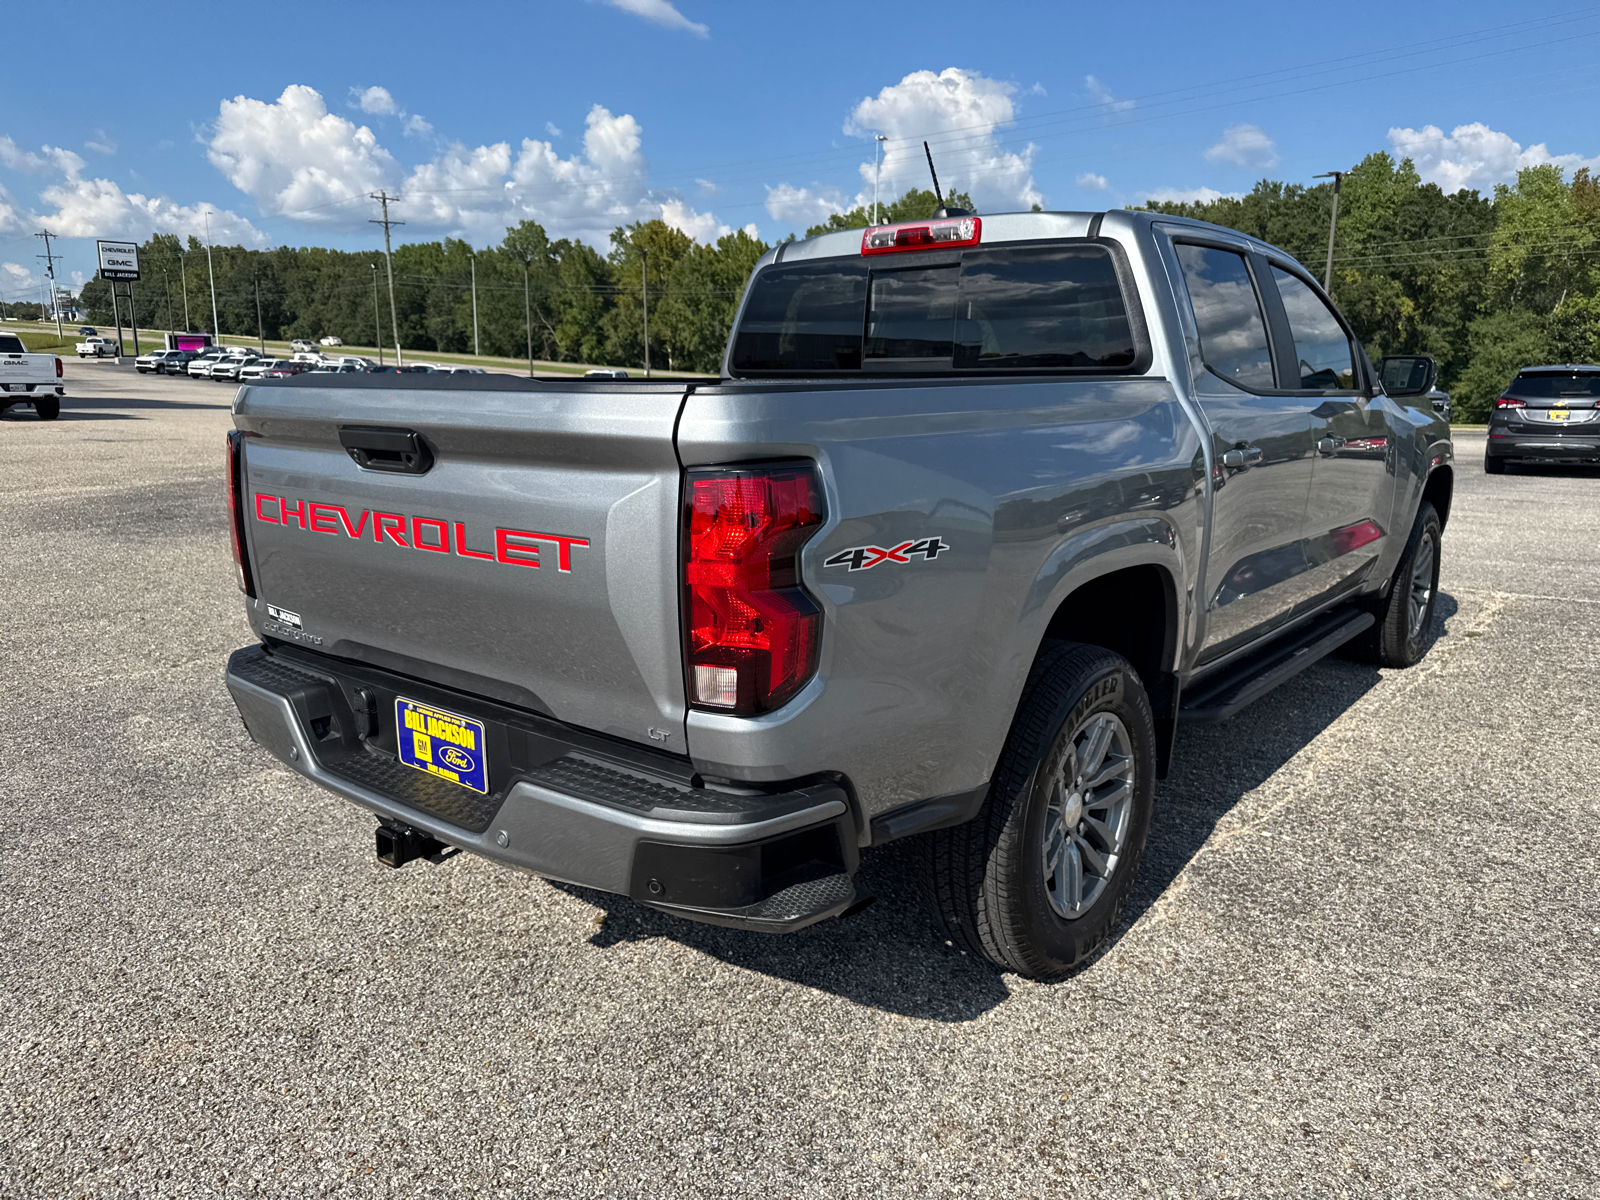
(564, 804)
(1534, 445)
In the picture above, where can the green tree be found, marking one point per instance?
(914, 205)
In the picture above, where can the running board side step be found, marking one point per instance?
(1253, 677)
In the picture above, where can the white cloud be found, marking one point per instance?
(959, 113)
(376, 100)
(416, 126)
(661, 12)
(293, 157)
(101, 143)
(1475, 156)
(1095, 183)
(18, 159)
(21, 282)
(76, 206)
(1101, 94)
(802, 207)
(707, 188)
(1244, 146)
(550, 128)
(1200, 195)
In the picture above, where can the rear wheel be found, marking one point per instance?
(1405, 615)
(1493, 465)
(1036, 881)
(48, 409)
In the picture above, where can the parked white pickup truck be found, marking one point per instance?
(30, 378)
(98, 347)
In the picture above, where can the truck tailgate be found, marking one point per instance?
(534, 560)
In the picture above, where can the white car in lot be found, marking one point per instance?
(200, 368)
(227, 368)
(258, 367)
(330, 340)
(98, 347)
(158, 361)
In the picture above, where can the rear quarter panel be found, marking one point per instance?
(1036, 486)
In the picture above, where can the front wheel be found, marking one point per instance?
(1036, 881)
(1405, 615)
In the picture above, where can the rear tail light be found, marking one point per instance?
(753, 632)
(922, 235)
(235, 477)
(1510, 402)
(60, 371)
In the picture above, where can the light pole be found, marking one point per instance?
(475, 350)
(166, 282)
(377, 321)
(216, 329)
(877, 149)
(261, 335)
(1333, 223)
(527, 308)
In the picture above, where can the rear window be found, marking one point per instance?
(1553, 385)
(1052, 308)
(10, 343)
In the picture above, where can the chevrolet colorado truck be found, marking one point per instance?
(980, 512)
(34, 379)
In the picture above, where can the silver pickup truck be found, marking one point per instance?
(981, 510)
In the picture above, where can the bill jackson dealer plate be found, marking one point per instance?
(442, 743)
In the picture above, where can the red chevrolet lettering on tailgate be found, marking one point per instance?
(513, 547)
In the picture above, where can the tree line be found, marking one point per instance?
(1484, 284)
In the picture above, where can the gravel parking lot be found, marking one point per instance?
(1361, 960)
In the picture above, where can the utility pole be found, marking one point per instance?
(50, 269)
(475, 350)
(183, 280)
(216, 329)
(877, 148)
(1333, 223)
(644, 293)
(377, 321)
(166, 282)
(527, 308)
(383, 198)
(261, 335)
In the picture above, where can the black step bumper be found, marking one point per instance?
(563, 804)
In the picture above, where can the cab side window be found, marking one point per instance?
(1321, 345)
(1227, 315)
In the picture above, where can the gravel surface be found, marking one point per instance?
(1361, 960)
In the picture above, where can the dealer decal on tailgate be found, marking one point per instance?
(442, 744)
(518, 547)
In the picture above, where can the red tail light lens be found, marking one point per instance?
(922, 235)
(1510, 402)
(235, 477)
(60, 372)
(753, 632)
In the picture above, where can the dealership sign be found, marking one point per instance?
(118, 260)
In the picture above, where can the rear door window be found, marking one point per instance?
(1321, 346)
(1057, 306)
(1227, 315)
(806, 317)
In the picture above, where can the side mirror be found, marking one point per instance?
(1408, 374)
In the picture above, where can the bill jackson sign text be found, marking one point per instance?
(119, 260)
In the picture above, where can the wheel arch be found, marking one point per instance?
(1438, 490)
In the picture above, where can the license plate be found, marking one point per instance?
(1559, 414)
(442, 743)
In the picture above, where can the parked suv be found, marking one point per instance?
(1546, 412)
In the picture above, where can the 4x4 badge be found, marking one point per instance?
(862, 558)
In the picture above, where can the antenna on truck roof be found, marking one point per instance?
(942, 210)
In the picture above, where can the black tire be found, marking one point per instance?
(988, 880)
(1400, 637)
(48, 409)
(1493, 465)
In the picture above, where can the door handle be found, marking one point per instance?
(1329, 444)
(1242, 456)
(375, 448)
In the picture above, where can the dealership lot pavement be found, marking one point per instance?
(1361, 961)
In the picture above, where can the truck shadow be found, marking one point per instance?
(890, 957)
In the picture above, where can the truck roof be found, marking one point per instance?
(1006, 227)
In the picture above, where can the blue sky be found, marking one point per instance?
(587, 114)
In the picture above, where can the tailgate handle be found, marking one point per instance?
(376, 448)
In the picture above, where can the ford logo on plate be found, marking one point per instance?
(456, 758)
